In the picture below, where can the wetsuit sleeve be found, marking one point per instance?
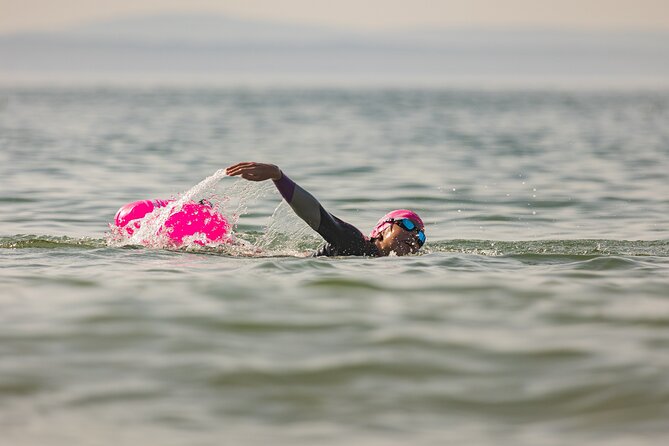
(332, 229)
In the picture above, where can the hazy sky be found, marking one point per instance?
(23, 15)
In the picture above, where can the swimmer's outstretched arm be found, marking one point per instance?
(303, 203)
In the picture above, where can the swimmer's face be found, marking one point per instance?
(399, 240)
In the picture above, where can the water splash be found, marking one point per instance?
(232, 202)
(286, 233)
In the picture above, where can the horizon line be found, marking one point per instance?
(518, 26)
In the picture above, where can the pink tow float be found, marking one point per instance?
(193, 219)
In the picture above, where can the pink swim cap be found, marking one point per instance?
(397, 214)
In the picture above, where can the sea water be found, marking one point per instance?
(537, 313)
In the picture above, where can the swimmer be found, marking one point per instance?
(401, 231)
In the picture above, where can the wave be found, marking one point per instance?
(24, 241)
(579, 249)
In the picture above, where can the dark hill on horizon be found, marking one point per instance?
(220, 45)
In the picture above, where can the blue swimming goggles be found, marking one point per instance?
(410, 226)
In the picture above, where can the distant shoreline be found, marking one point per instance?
(121, 79)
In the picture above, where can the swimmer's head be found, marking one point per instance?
(400, 231)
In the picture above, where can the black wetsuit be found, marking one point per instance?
(342, 239)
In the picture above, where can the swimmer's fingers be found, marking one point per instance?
(254, 171)
(239, 169)
(235, 169)
(243, 170)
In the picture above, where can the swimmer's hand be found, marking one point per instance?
(254, 171)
